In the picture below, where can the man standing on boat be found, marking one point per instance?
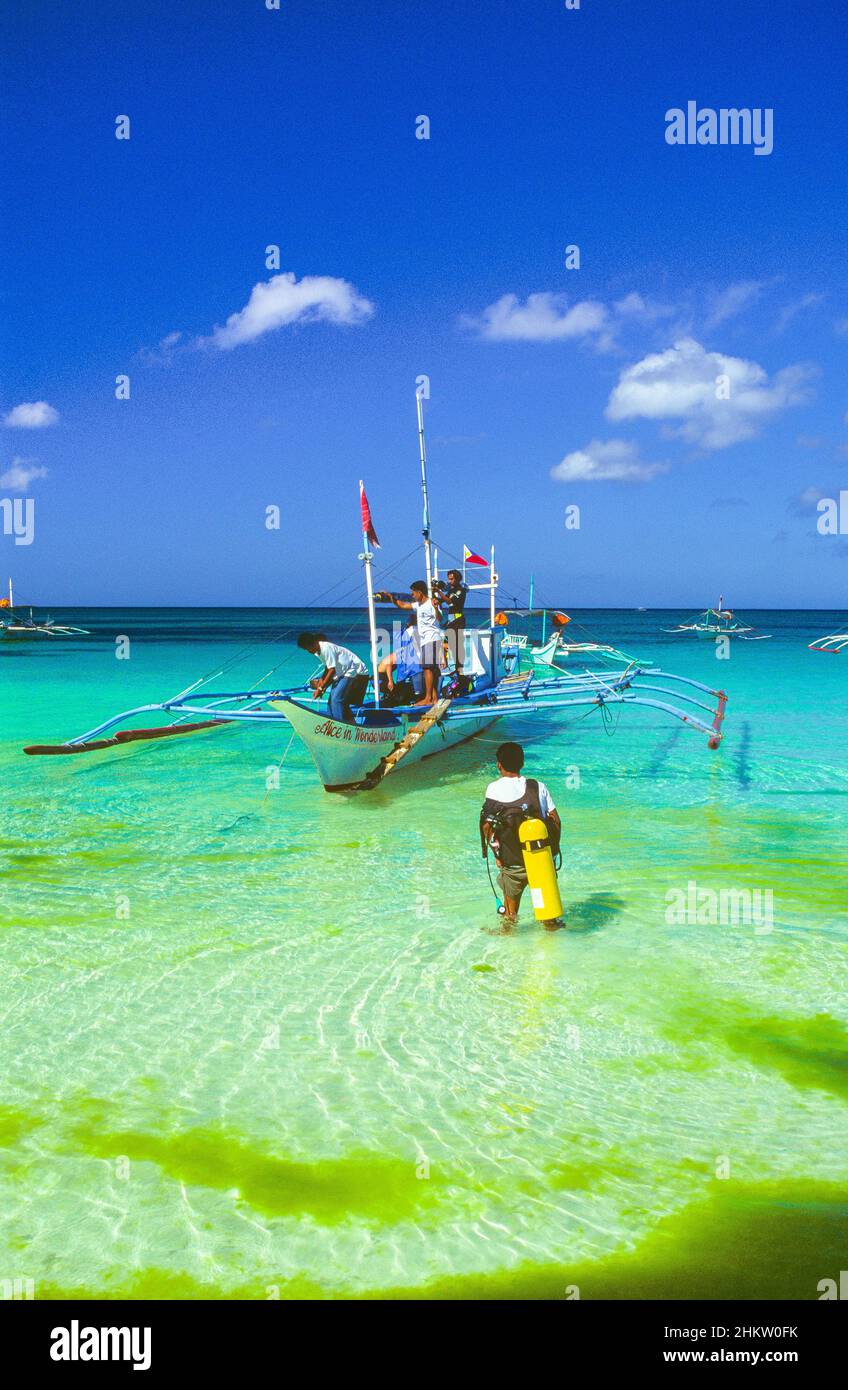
(455, 598)
(509, 800)
(345, 675)
(431, 635)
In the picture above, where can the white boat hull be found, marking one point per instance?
(346, 755)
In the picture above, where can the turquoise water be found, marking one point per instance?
(259, 1041)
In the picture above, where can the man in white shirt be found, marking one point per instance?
(431, 636)
(510, 799)
(345, 674)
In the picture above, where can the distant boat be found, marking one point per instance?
(837, 642)
(522, 653)
(719, 622)
(17, 627)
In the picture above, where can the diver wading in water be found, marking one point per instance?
(520, 823)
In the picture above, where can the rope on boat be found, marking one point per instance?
(279, 766)
(576, 626)
(242, 655)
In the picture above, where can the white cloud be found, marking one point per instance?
(636, 308)
(164, 352)
(730, 302)
(807, 301)
(610, 460)
(31, 415)
(21, 473)
(682, 384)
(806, 503)
(544, 317)
(285, 300)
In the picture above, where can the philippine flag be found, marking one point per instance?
(471, 559)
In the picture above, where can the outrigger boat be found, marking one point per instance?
(357, 756)
(15, 626)
(719, 622)
(837, 642)
(553, 649)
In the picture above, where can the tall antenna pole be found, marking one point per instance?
(366, 557)
(425, 528)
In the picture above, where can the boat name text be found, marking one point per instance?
(353, 733)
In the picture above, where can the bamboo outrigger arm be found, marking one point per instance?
(517, 696)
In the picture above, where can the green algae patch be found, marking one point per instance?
(14, 1124)
(569, 1178)
(153, 1284)
(769, 1241)
(331, 1190)
(808, 1052)
(613, 1165)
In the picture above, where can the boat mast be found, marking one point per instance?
(366, 557)
(544, 610)
(493, 584)
(425, 528)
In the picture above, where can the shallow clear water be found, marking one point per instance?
(258, 1041)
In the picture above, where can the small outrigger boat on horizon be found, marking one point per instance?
(358, 755)
(555, 650)
(17, 627)
(719, 622)
(836, 643)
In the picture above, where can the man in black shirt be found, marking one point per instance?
(454, 613)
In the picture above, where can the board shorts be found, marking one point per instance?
(432, 655)
(513, 880)
(455, 636)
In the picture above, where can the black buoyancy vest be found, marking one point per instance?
(456, 603)
(507, 816)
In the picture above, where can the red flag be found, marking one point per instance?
(471, 559)
(367, 523)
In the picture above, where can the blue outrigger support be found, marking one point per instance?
(509, 696)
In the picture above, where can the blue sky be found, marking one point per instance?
(444, 256)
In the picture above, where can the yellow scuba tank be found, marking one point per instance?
(541, 874)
